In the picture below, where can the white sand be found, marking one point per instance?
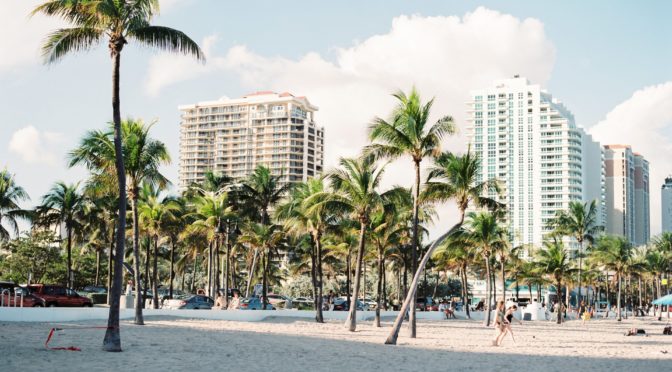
(168, 344)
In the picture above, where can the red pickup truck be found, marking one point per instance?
(56, 295)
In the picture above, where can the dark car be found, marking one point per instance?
(341, 304)
(197, 302)
(11, 295)
(56, 295)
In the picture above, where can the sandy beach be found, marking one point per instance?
(168, 344)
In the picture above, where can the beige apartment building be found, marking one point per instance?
(627, 194)
(233, 136)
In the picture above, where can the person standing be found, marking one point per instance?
(500, 323)
(234, 304)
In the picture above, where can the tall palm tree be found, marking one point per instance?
(155, 214)
(174, 228)
(63, 205)
(408, 132)
(580, 222)
(486, 234)
(553, 261)
(264, 239)
(94, 21)
(261, 191)
(614, 253)
(11, 195)
(142, 156)
(452, 178)
(457, 253)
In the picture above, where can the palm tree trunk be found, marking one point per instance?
(618, 299)
(313, 274)
(139, 299)
(264, 281)
(318, 246)
(380, 288)
(503, 281)
(250, 273)
(109, 267)
(209, 272)
(172, 267)
(559, 286)
(414, 247)
(68, 281)
(148, 254)
(112, 339)
(97, 267)
(351, 321)
(488, 292)
(578, 301)
(384, 286)
(155, 274)
(193, 275)
(226, 268)
(217, 271)
(465, 299)
(348, 282)
(394, 333)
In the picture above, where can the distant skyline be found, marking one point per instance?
(608, 61)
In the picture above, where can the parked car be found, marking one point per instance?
(196, 302)
(253, 303)
(280, 301)
(56, 295)
(10, 293)
(94, 289)
(370, 303)
(341, 304)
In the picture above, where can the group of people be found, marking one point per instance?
(234, 301)
(503, 319)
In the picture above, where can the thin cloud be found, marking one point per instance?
(35, 147)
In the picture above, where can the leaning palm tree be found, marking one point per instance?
(408, 132)
(63, 205)
(452, 178)
(614, 253)
(142, 157)
(580, 222)
(94, 21)
(457, 253)
(553, 262)
(11, 195)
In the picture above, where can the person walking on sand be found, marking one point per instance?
(509, 316)
(500, 323)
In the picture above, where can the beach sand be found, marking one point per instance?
(282, 344)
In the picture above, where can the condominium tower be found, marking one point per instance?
(233, 136)
(666, 204)
(528, 141)
(627, 194)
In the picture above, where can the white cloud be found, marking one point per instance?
(444, 57)
(22, 36)
(35, 147)
(644, 121)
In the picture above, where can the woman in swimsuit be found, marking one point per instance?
(509, 319)
(500, 323)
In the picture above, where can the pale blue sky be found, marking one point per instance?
(604, 52)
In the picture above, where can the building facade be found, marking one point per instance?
(529, 142)
(627, 194)
(666, 204)
(233, 136)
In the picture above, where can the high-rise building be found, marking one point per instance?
(627, 194)
(666, 204)
(529, 142)
(233, 136)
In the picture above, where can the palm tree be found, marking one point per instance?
(409, 133)
(173, 229)
(614, 253)
(457, 253)
(94, 21)
(264, 239)
(155, 214)
(452, 178)
(63, 205)
(553, 261)
(580, 222)
(11, 195)
(303, 213)
(142, 156)
(486, 234)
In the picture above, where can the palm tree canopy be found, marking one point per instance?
(579, 221)
(553, 260)
(94, 20)
(63, 204)
(155, 213)
(613, 252)
(484, 232)
(142, 155)
(11, 195)
(408, 131)
(212, 212)
(260, 191)
(455, 177)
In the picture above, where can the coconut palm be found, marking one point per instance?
(264, 239)
(452, 178)
(553, 261)
(155, 214)
(142, 157)
(457, 253)
(94, 21)
(11, 195)
(580, 222)
(614, 253)
(63, 205)
(408, 132)
(173, 228)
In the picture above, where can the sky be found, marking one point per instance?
(610, 62)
